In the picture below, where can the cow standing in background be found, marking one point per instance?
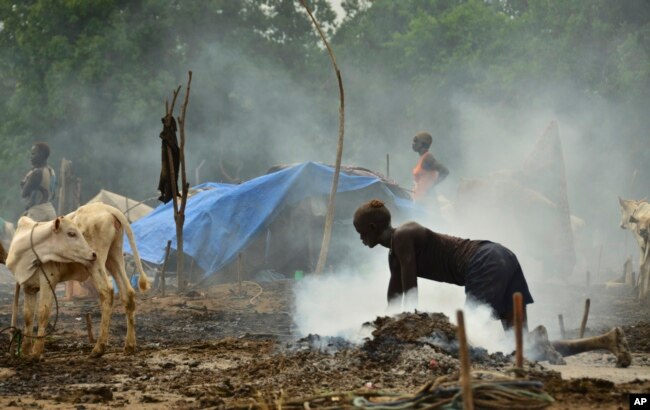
(103, 227)
(635, 216)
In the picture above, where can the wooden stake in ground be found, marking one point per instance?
(164, 267)
(466, 377)
(329, 217)
(585, 316)
(560, 319)
(518, 304)
(239, 271)
(89, 328)
(14, 318)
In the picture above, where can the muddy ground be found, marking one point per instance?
(213, 349)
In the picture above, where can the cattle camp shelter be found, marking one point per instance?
(132, 209)
(273, 222)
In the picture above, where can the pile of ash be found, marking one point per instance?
(393, 335)
(324, 344)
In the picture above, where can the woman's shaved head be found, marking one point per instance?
(372, 212)
(424, 137)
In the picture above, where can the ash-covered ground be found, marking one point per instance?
(215, 349)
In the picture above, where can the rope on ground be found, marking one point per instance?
(490, 391)
(258, 294)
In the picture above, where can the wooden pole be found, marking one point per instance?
(518, 303)
(190, 274)
(466, 378)
(89, 328)
(387, 166)
(560, 319)
(185, 186)
(239, 271)
(329, 217)
(164, 267)
(585, 316)
(62, 188)
(14, 318)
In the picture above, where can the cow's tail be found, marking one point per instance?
(144, 282)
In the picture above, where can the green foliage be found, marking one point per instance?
(91, 76)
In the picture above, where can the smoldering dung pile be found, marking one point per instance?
(411, 341)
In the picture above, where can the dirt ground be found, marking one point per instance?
(214, 349)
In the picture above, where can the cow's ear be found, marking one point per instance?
(57, 225)
(620, 201)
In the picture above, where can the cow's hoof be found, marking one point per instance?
(98, 351)
(129, 350)
(623, 356)
(26, 351)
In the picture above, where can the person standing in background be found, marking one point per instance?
(428, 171)
(39, 185)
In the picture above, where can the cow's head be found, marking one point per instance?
(642, 226)
(65, 243)
(628, 206)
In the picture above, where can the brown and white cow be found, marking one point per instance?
(103, 227)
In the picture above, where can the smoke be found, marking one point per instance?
(246, 114)
(338, 304)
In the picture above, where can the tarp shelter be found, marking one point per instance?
(222, 219)
(133, 209)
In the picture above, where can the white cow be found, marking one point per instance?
(37, 255)
(635, 216)
(103, 227)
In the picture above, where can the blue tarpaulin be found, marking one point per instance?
(222, 218)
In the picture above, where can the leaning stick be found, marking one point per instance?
(466, 381)
(517, 300)
(585, 316)
(89, 328)
(560, 319)
(329, 218)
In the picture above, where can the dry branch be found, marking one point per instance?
(329, 218)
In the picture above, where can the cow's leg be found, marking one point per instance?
(614, 341)
(45, 301)
(29, 306)
(105, 291)
(127, 294)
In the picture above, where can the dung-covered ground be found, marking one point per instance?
(219, 348)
